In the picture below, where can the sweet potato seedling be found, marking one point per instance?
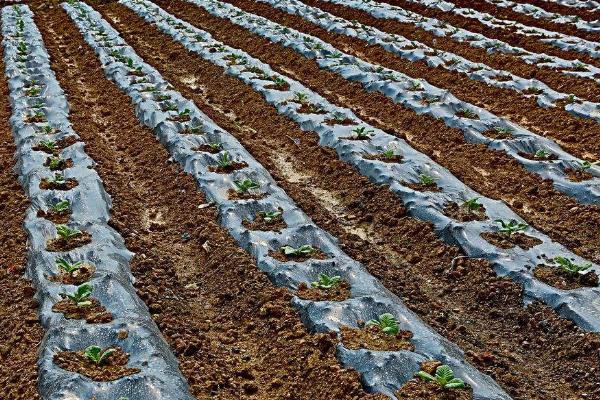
(426, 180)
(58, 179)
(49, 145)
(444, 376)
(542, 154)
(67, 233)
(245, 185)
(300, 97)
(325, 281)
(60, 206)
(361, 132)
(304, 250)
(270, 216)
(224, 160)
(387, 324)
(473, 204)
(96, 355)
(81, 296)
(570, 267)
(67, 267)
(586, 165)
(511, 227)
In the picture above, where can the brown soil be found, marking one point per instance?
(235, 335)
(226, 170)
(423, 187)
(49, 184)
(497, 135)
(464, 213)
(207, 149)
(396, 159)
(372, 338)
(60, 145)
(468, 304)
(316, 255)
(61, 244)
(496, 175)
(509, 36)
(576, 135)
(62, 164)
(20, 330)
(340, 292)
(508, 242)
(112, 368)
(61, 217)
(259, 224)
(77, 277)
(235, 195)
(93, 314)
(577, 175)
(557, 277)
(530, 156)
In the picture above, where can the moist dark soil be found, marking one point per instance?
(463, 213)
(259, 224)
(60, 145)
(577, 175)
(316, 255)
(62, 164)
(235, 195)
(112, 368)
(372, 338)
(344, 122)
(180, 118)
(207, 149)
(61, 244)
(77, 277)
(395, 159)
(422, 187)
(306, 108)
(559, 278)
(234, 334)
(60, 217)
(49, 184)
(508, 242)
(20, 330)
(467, 304)
(283, 86)
(226, 170)
(339, 292)
(494, 134)
(95, 313)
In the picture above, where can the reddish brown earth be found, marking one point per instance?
(463, 300)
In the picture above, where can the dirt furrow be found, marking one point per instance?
(234, 334)
(513, 38)
(371, 225)
(577, 135)
(582, 87)
(20, 330)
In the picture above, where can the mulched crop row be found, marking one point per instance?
(402, 252)
(577, 135)
(529, 43)
(234, 334)
(20, 330)
(585, 13)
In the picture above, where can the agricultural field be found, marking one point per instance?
(300, 199)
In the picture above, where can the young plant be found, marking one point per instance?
(473, 204)
(224, 160)
(67, 267)
(54, 163)
(585, 165)
(96, 355)
(46, 129)
(511, 227)
(444, 376)
(245, 185)
(184, 114)
(300, 97)
(279, 82)
(304, 250)
(59, 179)
(326, 281)
(570, 267)
(505, 131)
(270, 216)
(81, 296)
(387, 324)
(362, 132)
(48, 144)
(67, 233)
(541, 154)
(215, 146)
(61, 206)
(467, 113)
(426, 180)
(415, 86)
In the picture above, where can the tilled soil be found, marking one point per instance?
(577, 135)
(530, 43)
(20, 330)
(522, 348)
(235, 335)
(491, 173)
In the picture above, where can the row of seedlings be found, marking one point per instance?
(416, 51)
(334, 292)
(555, 39)
(539, 13)
(100, 340)
(570, 175)
(443, 29)
(481, 226)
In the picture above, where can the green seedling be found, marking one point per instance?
(335, 55)
(300, 97)
(362, 132)
(245, 185)
(184, 114)
(511, 227)
(571, 99)
(444, 376)
(503, 130)
(22, 48)
(49, 145)
(46, 129)
(270, 216)
(415, 86)
(578, 66)
(426, 180)
(67, 233)
(304, 250)
(162, 97)
(69, 268)
(224, 160)
(21, 25)
(96, 355)
(473, 204)
(61, 206)
(586, 165)
(466, 113)
(570, 267)
(215, 146)
(81, 296)
(339, 116)
(279, 82)
(388, 153)
(326, 282)
(33, 91)
(429, 99)
(168, 106)
(543, 154)
(387, 324)
(54, 163)
(58, 179)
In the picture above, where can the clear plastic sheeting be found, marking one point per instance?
(34, 88)
(369, 298)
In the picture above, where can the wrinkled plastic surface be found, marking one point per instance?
(382, 371)
(90, 204)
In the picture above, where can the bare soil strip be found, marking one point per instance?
(582, 87)
(515, 39)
(235, 335)
(579, 136)
(20, 330)
(480, 312)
